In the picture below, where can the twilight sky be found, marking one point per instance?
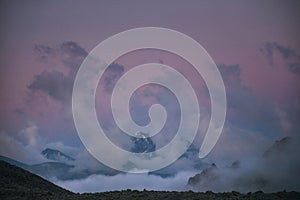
(255, 45)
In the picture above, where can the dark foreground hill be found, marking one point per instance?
(17, 183)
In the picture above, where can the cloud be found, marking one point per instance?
(243, 108)
(55, 84)
(30, 135)
(68, 150)
(290, 57)
(286, 52)
(44, 52)
(72, 50)
(85, 164)
(24, 146)
(251, 123)
(111, 76)
(275, 170)
(72, 56)
(58, 84)
(248, 118)
(294, 67)
(231, 74)
(289, 115)
(101, 183)
(69, 52)
(236, 143)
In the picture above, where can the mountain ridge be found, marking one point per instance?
(56, 155)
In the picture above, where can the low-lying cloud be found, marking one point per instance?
(101, 183)
(275, 170)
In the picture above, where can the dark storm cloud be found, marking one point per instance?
(289, 55)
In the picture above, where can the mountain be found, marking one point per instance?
(143, 144)
(17, 183)
(52, 154)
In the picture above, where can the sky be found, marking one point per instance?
(255, 45)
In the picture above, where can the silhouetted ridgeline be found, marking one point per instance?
(17, 183)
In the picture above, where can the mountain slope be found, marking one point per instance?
(47, 170)
(14, 162)
(16, 182)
